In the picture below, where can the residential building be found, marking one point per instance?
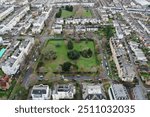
(63, 91)
(5, 11)
(12, 64)
(39, 23)
(120, 56)
(118, 29)
(138, 52)
(39, 3)
(59, 21)
(12, 20)
(1, 41)
(41, 92)
(85, 3)
(118, 92)
(138, 93)
(2, 1)
(92, 92)
(83, 28)
(57, 28)
(82, 21)
(27, 45)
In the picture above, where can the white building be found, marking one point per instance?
(1, 41)
(2, 1)
(138, 52)
(59, 21)
(11, 21)
(13, 63)
(39, 23)
(92, 92)
(5, 11)
(85, 3)
(57, 28)
(41, 92)
(83, 28)
(82, 21)
(65, 91)
(118, 92)
(22, 2)
(118, 29)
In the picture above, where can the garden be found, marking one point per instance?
(70, 11)
(68, 57)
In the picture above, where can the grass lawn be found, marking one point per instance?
(86, 63)
(87, 13)
(66, 14)
(145, 75)
(1, 73)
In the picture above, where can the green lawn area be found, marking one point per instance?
(1, 72)
(87, 13)
(145, 75)
(86, 63)
(66, 14)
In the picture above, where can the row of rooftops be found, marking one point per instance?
(11, 60)
(15, 14)
(138, 52)
(122, 59)
(91, 91)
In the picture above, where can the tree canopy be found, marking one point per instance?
(73, 54)
(70, 45)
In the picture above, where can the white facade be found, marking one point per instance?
(118, 92)
(13, 20)
(118, 29)
(1, 40)
(82, 21)
(6, 12)
(41, 92)
(63, 92)
(86, 4)
(138, 52)
(39, 23)
(57, 28)
(2, 1)
(12, 65)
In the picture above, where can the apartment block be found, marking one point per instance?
(121, 58)
(118, 92)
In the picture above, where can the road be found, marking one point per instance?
(26, 77)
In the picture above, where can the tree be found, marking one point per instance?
(66, 66)
(87, 53)
(71, 8)
(108, 31)
(67, 7)
(70, 45)
(49, 53)
(42, 70)
(73, 54)
(32, 80)
(58, 14)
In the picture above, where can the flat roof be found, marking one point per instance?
(2, 51)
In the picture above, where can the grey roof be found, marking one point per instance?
(39, 91)
(138, 93)
(120, 91)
